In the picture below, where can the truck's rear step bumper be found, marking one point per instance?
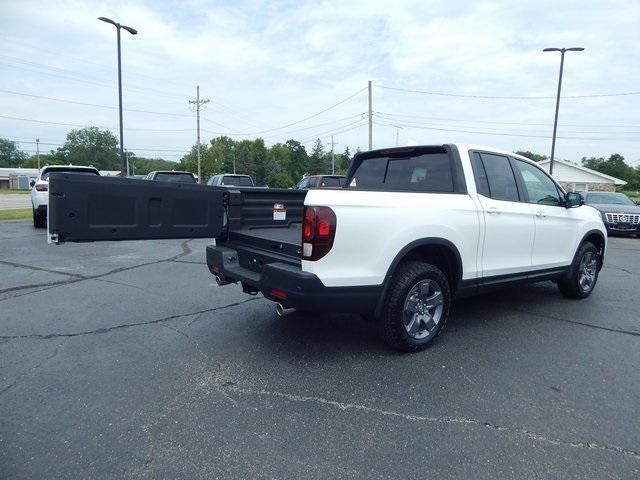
(289, 285)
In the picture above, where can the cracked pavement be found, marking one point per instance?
(125, 360)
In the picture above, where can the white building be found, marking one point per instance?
(576, 178)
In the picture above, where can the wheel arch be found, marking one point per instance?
(599, 240)
(437, 251)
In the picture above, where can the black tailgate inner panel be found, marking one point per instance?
(87, 208)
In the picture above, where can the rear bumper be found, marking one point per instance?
(289, 285)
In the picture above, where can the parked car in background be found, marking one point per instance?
(231, 179)
(174, 176)
(619, 213)
(321, 181)
(40, 190)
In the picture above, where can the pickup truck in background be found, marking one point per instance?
(231, 180)
(412, 228)
(173, 176)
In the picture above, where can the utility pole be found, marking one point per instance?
(126, 156)
(38, 152)
(333, 161)
(197, 103)
(397, 135)
(370, 120)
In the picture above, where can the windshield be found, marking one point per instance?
(175, 177)
(608, 198)
(81, 171)
(427, 172)
(237, 181)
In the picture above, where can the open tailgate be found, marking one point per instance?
(90, 208)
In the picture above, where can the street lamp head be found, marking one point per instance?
(108, 20)
(552, 50)
(575, 49)
(132, 31)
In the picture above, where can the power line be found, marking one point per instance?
(384, 117)
(110, 107)
(88, 125)
(441, 119)
(505, 97)
(505, 134)
(358, 124)
(305, 118)
(137, 147)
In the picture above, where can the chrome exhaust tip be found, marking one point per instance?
(283, 311)
(220, 282)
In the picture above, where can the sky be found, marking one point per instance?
(440, 72)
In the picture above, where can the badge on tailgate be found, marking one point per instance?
(279, 212)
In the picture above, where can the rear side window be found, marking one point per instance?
(429, 172)
(500, 177)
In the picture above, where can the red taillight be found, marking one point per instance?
(318, 232)
(42, 187)
(276, 292)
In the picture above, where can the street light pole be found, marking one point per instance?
(555, 121)
(132, 31)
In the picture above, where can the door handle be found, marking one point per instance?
(540, 214)
(494, 210)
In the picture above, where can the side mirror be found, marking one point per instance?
(573, 199)
(32, 183)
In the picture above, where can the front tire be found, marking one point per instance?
(39, 220)
(582, 276)
(416, 307)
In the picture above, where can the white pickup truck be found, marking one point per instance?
(412, 228)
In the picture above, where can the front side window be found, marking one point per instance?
(500, 177)
(540, 188)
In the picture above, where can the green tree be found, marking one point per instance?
(614, 166)
(142, 165)
(260, 161)
(317, 159)
(298, 161)
(189, 162)
(279, 179)
(91, 146)
(536, 157)
(244, 157)
(10, 154)
(223, 151)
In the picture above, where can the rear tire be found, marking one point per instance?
(39, 220)
(582, 276)
(416, 307)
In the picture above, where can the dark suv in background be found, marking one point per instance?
(619, 213)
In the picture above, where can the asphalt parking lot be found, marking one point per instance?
(125, 360)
